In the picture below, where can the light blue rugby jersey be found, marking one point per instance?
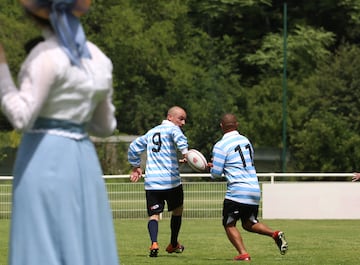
(161, 144)
(233, 157)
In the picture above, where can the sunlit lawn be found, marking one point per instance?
(323, 242)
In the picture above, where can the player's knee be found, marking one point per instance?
(229, 222)
(248, 225)
(154, 217)
(178, 211)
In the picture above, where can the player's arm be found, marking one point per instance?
(184, 156)
(181, 143)
(218, 161)
(136, 147)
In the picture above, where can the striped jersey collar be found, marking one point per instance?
(167, 122)
(228, 134)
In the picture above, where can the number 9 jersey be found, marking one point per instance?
(161, 144)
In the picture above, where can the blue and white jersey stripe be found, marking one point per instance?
(233, 157)
(161, 144)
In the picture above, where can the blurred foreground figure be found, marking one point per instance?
(61, 213)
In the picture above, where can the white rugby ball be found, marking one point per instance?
(196, 160)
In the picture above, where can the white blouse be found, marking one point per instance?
(50, 87)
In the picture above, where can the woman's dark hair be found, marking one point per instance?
(39, 20)
(28, 46)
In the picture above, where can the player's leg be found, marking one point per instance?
(230, 217)
(175, 200)
(153, 229)
(252, 224)
(175, 225)
(257, 227)
(235, 238)
(155, 206)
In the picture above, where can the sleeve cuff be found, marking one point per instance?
(184, 151)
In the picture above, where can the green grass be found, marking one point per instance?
(4, 235)
(311, 242)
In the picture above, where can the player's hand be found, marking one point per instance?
(209, 166)
(184, 159)
(136, 174)
(356, 177)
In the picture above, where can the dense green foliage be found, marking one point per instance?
(217, 56)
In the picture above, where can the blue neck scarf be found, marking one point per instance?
(69, 31)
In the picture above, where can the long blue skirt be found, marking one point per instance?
(60, 212)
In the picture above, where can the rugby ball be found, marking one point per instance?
(196, 160)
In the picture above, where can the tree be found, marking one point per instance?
(211, 57)
(12, 23)
(307, 47)
(325, 113)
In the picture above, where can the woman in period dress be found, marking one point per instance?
(60, 211)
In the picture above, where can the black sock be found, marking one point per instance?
(153, 227)
(175, 225)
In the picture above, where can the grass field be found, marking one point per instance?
(311, 242)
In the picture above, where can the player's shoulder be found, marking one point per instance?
(236, 136)
(230, 141)
(157, 130)
(168, 127)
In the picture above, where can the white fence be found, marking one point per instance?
(315, 200)
(203, 196)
